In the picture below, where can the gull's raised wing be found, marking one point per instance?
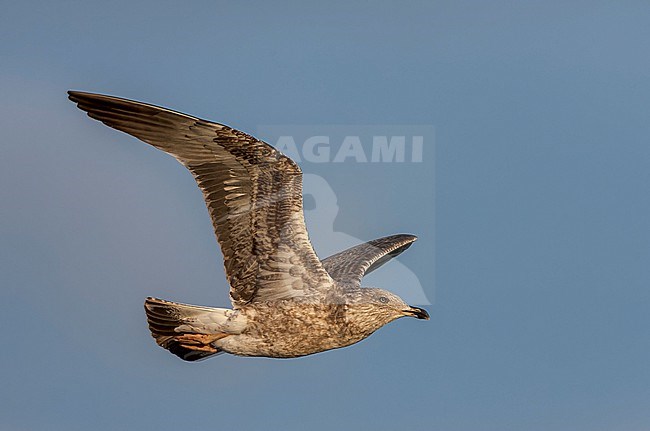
(349, 266)
(252, 191)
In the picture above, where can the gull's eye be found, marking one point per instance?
(383, 300)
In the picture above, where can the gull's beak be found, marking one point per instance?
(418, 312)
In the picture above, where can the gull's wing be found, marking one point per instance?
(349, 266)
(252, 191)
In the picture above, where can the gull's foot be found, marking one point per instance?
(199, 342)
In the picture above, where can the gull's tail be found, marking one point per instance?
(188, 331)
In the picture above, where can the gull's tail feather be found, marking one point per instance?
(187, 331)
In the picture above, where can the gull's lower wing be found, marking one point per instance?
(349, 266)
(252, 191)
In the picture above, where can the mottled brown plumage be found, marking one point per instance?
(286, 302)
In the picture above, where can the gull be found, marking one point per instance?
(286, 302)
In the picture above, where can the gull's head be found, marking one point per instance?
(386, 306)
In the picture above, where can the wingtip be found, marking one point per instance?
(408, 236)
(75, 95)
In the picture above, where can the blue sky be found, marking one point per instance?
(532, 210)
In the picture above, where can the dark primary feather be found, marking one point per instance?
(349, 266)
(252, 191)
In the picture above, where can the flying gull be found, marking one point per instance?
(285, 301)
